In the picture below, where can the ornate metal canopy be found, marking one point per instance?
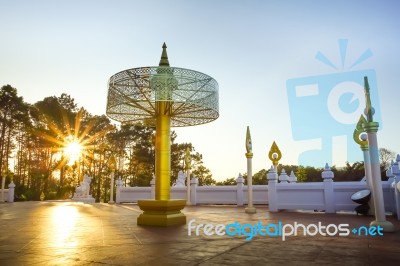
(132, 94)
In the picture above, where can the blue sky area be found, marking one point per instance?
(254, 49)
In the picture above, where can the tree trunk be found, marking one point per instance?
(2, 140)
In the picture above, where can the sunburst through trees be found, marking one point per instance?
(50, 145)
(75, 148)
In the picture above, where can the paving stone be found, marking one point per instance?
(71, 233)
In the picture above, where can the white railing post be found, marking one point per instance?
(118, 183)
(292, 177)
(389, 173)
(272, 177)
(396, 169)
(327, 176)
(391, 205)
(11, 190)
(239, 190)
(283, 177)
(111, 201)
(153, 188)
(396, 185)
(3, 182)
(193, 190)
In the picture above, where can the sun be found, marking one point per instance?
(73, 150)
(73, 143)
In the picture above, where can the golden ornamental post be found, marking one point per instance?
(113, 165)
(188, 165)
(371, 127)
(275, 155)
(361, 138)
(249, 155)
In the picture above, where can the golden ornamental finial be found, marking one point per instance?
(369, 110)
(248, 141)
(188, 159)
(358, 131)
(42, 196)
(274, 154)
(113, 163)
(164, 57)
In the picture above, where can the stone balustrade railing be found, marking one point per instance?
(281, 193)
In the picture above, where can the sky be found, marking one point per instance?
(259, 52)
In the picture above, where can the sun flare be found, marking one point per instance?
(75, 142)
(73, 151)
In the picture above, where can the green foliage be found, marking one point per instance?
(37, 135)
(204, 176)
(178, 151)
(259, 178)
(351, 172)
(385, 157)
(227, 182)
(136, 144)
(301, 174)
(14, 114)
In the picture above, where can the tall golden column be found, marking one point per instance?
(163, 127)
(163, 152)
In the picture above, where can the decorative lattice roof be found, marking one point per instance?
(133, 93)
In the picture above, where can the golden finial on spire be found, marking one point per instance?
(188, 160)
(274, 154)
(248, 141)
(369, 110)
(358, 131)
(112, 163)
(164, 57)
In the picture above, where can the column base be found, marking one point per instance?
(85, 200)
(161, 212)
(386, 225)
(250, 210)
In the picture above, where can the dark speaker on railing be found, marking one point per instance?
(362, 197)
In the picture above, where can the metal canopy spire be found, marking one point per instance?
(164, 57)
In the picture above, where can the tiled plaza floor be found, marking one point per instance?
(70, 233)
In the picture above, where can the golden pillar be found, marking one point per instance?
(162, 211)
(163, 151)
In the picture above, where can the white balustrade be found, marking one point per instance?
(327, 195)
